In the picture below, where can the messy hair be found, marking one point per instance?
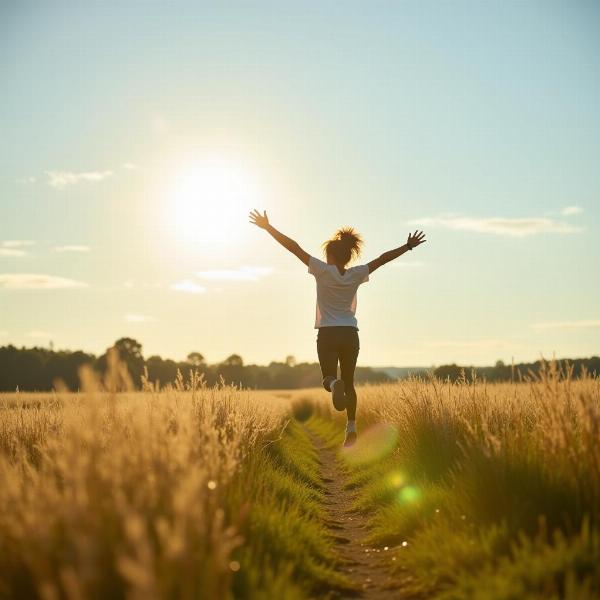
(344, 245)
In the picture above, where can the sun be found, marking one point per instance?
(209, 201)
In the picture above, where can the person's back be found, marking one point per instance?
(336, 293)
(337, 340)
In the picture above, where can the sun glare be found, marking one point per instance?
(209, 201)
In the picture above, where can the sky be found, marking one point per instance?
(136, 137)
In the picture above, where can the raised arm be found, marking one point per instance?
(418, 237)
(262, 221)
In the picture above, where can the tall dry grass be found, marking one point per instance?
(478, 491)
(108, 495)
(471, 484)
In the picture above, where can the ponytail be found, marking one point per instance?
(344, 246)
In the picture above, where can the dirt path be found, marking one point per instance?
(364, 564)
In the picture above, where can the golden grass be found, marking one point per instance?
(189, 492)
(488, 491)
(103, 492)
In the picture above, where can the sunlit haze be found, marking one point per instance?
(137, 137)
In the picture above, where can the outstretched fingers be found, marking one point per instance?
(416, 238)
(259, 220)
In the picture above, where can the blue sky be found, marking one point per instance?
(136, 136)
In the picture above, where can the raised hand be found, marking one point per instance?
(418, 237)
(259, 220)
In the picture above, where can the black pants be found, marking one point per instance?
(339, 344)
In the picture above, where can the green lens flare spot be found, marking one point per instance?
(409, 494)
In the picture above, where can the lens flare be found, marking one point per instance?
(375, 443)
(396, 479)
(409, 494)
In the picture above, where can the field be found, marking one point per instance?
(464, 490)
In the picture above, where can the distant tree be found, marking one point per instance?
(452, 372)
(129, 349)
(63, 367)
(195, 359)
(161, 371)
(41, 369)
(232, 370)
(129, 352)
(234, 360)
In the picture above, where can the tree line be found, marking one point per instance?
(42, 369)
(516, 372)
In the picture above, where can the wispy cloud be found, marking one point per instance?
(62, 179)
(72, 248)
(38, 333)
(14, 247)
(129, 166)
(29, 179)
(498, 225)
(34, 281)
(581, 324)
(188, 286)
(136, 318)
(17, 243)
(568, 211)
(241, 274)
(6, 252)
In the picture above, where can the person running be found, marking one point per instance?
(337, 338)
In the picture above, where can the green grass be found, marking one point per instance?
(485, 502)
(289, 552)
(485, 492)
(167, 495)
(556, 567)
(331, 432)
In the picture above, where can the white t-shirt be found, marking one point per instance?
(336, 293)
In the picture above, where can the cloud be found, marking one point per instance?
(134, 318)
(568, 211)
(62, 179)
(29, 179)
(241, 274)
(17, 243)
(72, 248)
(33, 281)
(14, 247)
(129, 166)
(473, 344)
(188, 286)
(582, 324)
(38, 333)
(11, 252)
(498, 225)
